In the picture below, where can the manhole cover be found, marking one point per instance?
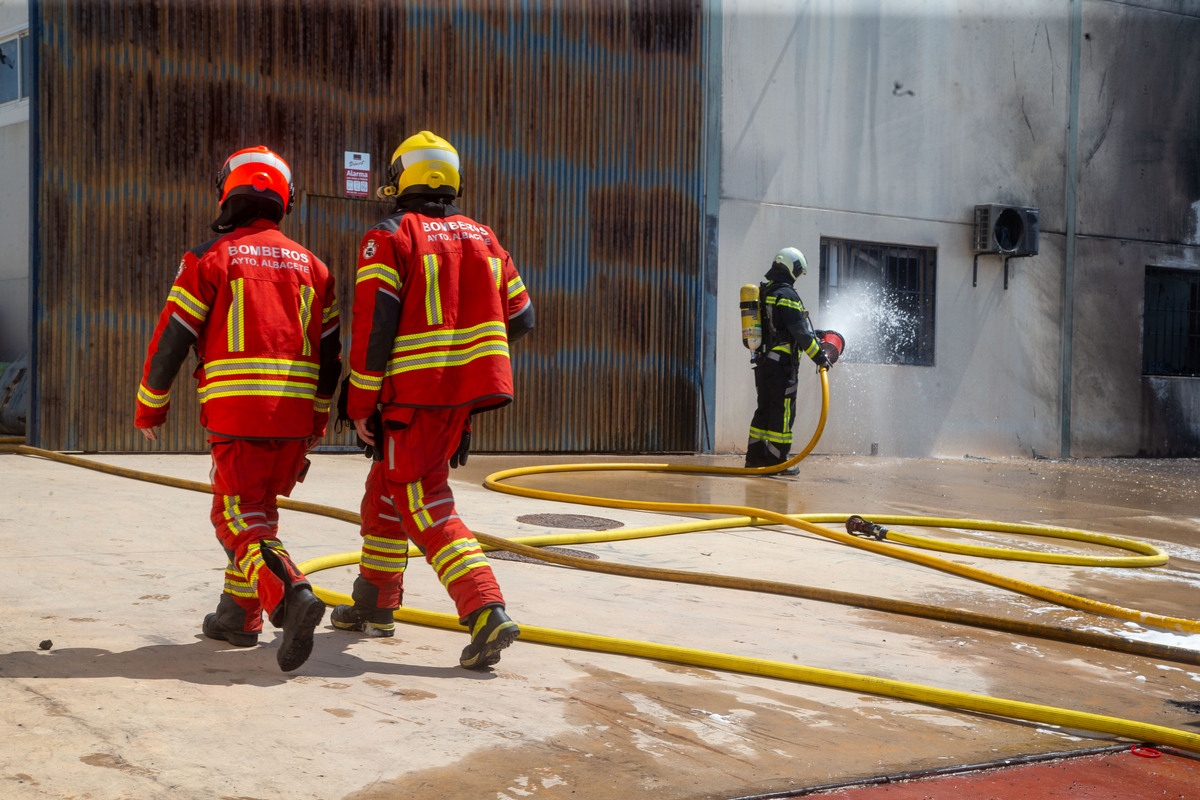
(580, 522)
(505, 555)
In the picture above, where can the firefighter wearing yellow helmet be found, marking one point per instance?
(423, 163)
(437, 303)
(786, 334)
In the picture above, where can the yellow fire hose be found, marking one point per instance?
(884, 687)
(529, 546)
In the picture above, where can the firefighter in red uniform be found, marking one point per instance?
(260, 311)
(436, 304)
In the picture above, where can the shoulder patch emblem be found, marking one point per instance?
(369, 249)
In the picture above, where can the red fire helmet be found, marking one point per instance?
(254, 171)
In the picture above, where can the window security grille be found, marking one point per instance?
(881, 298)
(1171, 322)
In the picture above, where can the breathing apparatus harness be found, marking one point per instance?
(771, 335)
(759, 332)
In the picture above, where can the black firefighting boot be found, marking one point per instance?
(361, 618)
(302, 613)
(299, 613)
(227, 624)
(762, 454)
(491, 631)
(365, 615)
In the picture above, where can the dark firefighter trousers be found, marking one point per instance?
(775, 382)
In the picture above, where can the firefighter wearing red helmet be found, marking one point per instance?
(437, 302)
(261, 313)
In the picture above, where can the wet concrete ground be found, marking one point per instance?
(130, 701)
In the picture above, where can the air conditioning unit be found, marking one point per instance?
(1006, 230)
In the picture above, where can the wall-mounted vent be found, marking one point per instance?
(1006, 230)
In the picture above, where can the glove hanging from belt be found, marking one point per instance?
(459, 456)
(374, 424)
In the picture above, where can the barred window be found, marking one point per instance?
(881, 298)
(1171, 322)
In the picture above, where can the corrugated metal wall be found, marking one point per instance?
(580, 124)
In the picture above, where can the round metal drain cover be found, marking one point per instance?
(505, 555)
(574, 521)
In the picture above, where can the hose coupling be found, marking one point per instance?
(857, 526)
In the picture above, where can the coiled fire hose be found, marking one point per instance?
(530, 546)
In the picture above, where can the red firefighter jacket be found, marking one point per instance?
(262, 314)
(432, 303)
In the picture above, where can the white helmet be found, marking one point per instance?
(793, 261)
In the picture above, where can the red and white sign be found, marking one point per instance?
(358, 174)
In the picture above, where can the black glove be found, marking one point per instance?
(459, 457)
(375, 426)
(822, 360)
(343, 417)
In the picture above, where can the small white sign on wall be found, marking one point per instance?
(358, 174)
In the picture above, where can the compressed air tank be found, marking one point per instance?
(751, 322)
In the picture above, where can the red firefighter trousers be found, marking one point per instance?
(248, 475)
(408, 498)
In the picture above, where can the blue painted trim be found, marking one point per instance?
(32, 417)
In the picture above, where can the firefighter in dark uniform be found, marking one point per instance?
(786, 333)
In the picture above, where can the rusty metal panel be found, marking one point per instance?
(580, 125)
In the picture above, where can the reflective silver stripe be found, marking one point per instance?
(269, 366)
(386, 545)
(273, 388)
(184, 323)
(429, 154)
(186, 300)
(415, 341)
(368, 382)
(270, 159)
(446, 358)
(307, 295)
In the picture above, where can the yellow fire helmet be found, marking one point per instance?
(423, 162)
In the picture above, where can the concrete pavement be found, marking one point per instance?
(109, 690)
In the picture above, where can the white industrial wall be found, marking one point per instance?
(14, 208)
(888, 122)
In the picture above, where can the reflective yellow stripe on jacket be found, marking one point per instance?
(307, 295)
(235, 325)
(244, 377)
(437, 349)
(188, 302)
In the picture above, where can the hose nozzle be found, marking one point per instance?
(857, 526)
(832, 344)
